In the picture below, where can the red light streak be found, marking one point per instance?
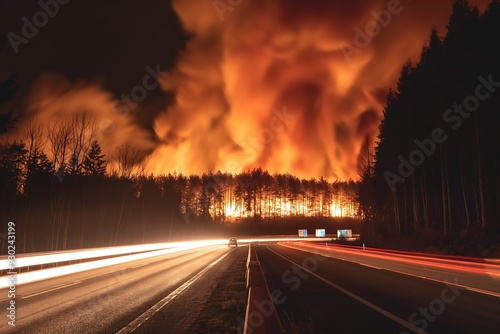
(415, 259)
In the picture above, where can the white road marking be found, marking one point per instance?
(86, 279)
(369, 266)
(374, 307)
(158, 306)
(49, 290)
(484, 292)
(466, 287)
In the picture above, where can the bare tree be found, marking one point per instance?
(127, 160)
(83, 133)
(35, 141)
(70, 140)
(59, 136)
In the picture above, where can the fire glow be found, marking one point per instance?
(236, 209)
(268, 86)
(259, 194)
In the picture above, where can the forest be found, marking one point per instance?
(63, 192)
(431, 174)
(434, 168)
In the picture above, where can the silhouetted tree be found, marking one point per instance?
(94, 162)
(452, 184)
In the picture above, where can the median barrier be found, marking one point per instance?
(260, 315)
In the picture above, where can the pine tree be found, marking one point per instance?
(94, 163)
(39, 163)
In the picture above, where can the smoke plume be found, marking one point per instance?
(273, 84)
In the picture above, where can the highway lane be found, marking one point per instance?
(104, 300)
(318, 294)
(216, 303)
(481, 276)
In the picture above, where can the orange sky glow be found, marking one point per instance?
(263, 84)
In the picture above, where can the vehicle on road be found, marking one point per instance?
(233, 242)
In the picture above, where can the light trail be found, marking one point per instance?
(26, 260)
(143, 252)
(278, 239)
(32, 259)
(151, 250)
(428, 261)
(38, 275)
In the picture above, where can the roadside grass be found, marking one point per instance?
(227, 302)
(294, 325)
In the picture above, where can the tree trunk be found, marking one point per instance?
(480, 180)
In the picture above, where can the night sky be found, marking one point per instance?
(260, 84)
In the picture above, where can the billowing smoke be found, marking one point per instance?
(55, 101)
(289, 86)
(284, 85)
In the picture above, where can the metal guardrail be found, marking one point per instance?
(260, 315)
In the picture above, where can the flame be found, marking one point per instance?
(233, 209)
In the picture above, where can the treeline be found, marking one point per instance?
(62, 192)
(437, 160)
(258, 194)
(83, 207)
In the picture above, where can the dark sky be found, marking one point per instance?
(106, 41)
(258, 84)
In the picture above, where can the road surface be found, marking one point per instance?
(121, 298)
(316, 289)
(323, 294)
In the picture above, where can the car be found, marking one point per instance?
(233, 242)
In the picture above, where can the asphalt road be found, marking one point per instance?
(316, 289)
(323, 294)
(121, 298)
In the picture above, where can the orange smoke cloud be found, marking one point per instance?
(269, 84)
(54, 100)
